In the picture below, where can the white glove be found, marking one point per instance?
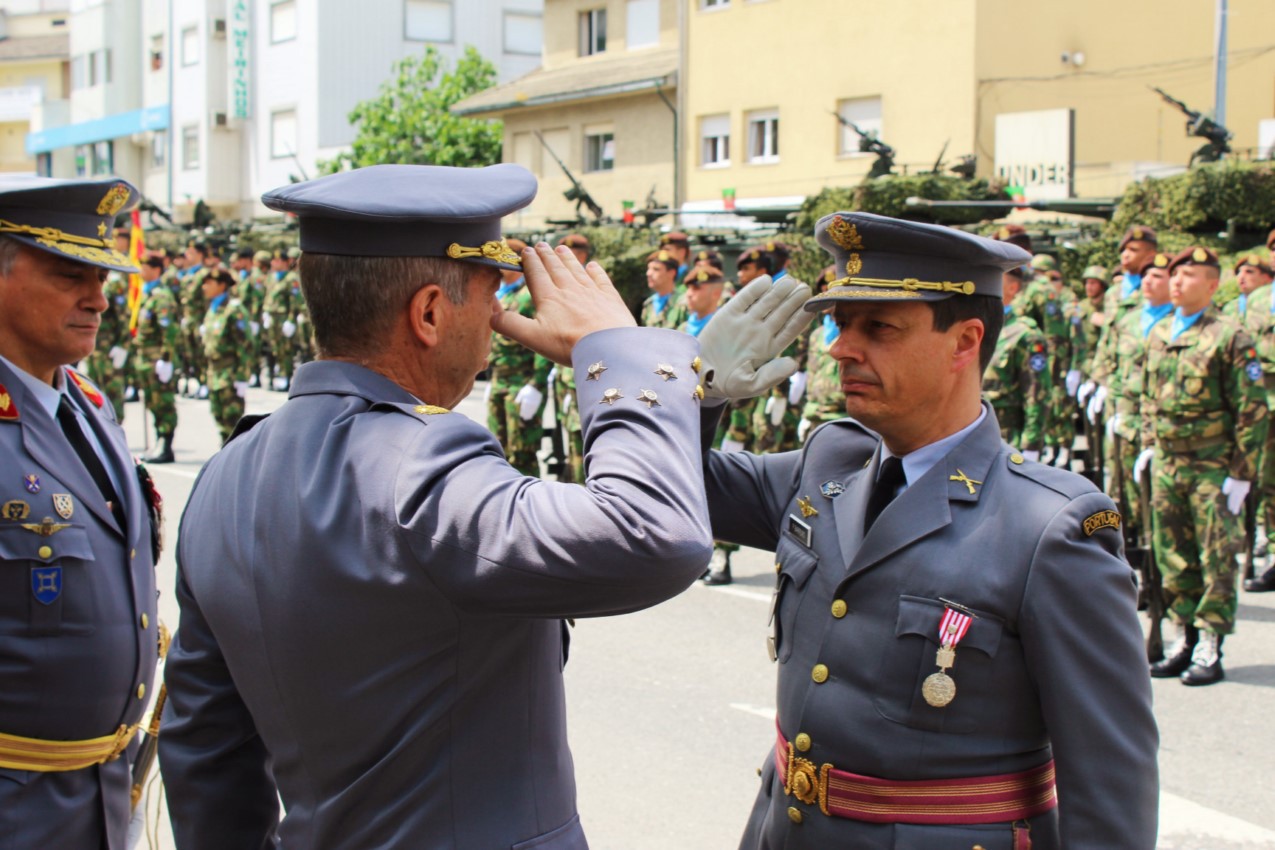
(241, 389)
(267, 321)
(487, 394)
(553, 376)
(301, 318)
(1142, 464)
(803, 428)
(796, 387)
(729, 445)
(1073, 382)
(163, 371)
(1086, 389)
(740, 349)
(118, 356)
(775, 407)
(567, 400)
(1111, 425)
(203, 329)
(256, 327)
(528, 400)
(288, 328)
(1236, 491)
(1031, 454)
(185, 322)
(1095, 404)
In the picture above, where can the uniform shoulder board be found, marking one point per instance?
(1065, 483)
(86, 386)
(416, 411)
(246, 424)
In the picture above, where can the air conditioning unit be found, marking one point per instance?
(219, 28)
(219, 121)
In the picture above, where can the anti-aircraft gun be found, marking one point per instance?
(869, 142)
(1198, 124)
(577, 192)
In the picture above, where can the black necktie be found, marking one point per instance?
(75, 435)
(889, 480)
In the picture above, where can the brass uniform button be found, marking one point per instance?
(802, 742)
(141, 690)
(45, 552)
(839, 608)
(1015, 458)
(132, 553)
(794, 814)
(819, 674)
(778, 566)
(146, 621)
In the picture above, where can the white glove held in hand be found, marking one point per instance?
(241, 389)
(118, 356)
(528, 400)
(267, 321)
(1236, 491)
(289, 329)
(740, 348)
(163, 370)
(1142, 464)
(775, 407)
(1095, 404)
(1031, 454)
(1086, 390)
(1073, 382)
(796, 387)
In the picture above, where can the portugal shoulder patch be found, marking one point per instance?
(1100, 520)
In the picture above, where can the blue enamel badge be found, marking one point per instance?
(46, 584)
(32, 483)
(1253, 370)
(832, 489)
(1037, 362)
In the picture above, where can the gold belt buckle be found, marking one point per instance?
(806, 782)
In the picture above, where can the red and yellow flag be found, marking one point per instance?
(136, 248)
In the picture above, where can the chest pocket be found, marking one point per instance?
(910, 659)
(796, 565)
(44, 581)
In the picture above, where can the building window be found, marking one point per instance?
(159, 148)
(714, 133)
(427, 20)
(103, 158)
(283, 21)
(642, 23)
(763, 136)
(157, 52)
(78, 74)
(599, 151)
(283, 133)
(190, 46)
(713, 4)
(190, 147)
(524, 33)
(593, 32)
(99, 67)
(864, 113)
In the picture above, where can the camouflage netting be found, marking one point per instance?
(888, 196)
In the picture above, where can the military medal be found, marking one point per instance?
(63, 505)
(32, 483)
(938, 688)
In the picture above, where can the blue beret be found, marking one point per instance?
(74, 219)
(409, 211)
(889, 259)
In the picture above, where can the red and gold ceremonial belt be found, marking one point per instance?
(980, 799)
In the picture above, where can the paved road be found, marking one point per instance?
(672, 709)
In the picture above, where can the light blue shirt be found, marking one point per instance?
(506, 288)
(1130, 284)
(50, 397)
(919, 461)
(1151, 315)
(1182, 322)
(695, 324)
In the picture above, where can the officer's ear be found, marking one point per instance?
(968, 334)
(425, 314)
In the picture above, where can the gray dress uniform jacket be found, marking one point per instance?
(372, 601)
(80, 665)
(1052, 667)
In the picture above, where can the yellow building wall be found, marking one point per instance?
(13, 155)
(1127, 46)
(562, 28)
(643, 129)
(804, 57)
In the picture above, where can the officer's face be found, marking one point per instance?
(1136, 254)
(1155, 286)
(660, 277)
(468, 336)
(50, 308)
(703, 298)
(1192, 287)
(1251, 278)
(898, 373)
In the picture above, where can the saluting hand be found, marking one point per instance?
(572, 301)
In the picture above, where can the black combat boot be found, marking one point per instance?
(718, 569)
(1177, 656)
(1206, 661)
(1264, 583)
(163, 451)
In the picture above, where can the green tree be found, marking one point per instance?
(410, 119)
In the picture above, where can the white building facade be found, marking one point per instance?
(221, 100)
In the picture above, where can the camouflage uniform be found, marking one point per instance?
(1048, 308)
(824, 400)
(193, 308)
(303, 338)
(569, 421)
(1087, 323)
(1259, 321)
(1204, 412)
(512, 367)
(674, 314)
(277, 306)
(767, 435)
(1016, 383)
(228, 346)
(112, 333)
(158, 327)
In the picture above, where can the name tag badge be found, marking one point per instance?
(800, 530)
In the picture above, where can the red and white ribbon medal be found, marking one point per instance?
(938, 688)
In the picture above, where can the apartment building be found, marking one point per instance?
(34, 68)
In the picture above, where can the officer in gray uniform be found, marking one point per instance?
(373, 599)
(960, 661)
(78, 643)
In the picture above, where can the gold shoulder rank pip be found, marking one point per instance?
(1102, 519)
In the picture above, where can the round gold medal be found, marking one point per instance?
(938, 689)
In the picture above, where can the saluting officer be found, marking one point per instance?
(955, 629)
(78, 630)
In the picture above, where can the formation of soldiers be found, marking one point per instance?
(204, 330)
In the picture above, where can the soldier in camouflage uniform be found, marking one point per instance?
(824, 399)
(1255, 273)
(564, 388)
(303, 339)
(1204, 423)
(776, 416)
(106, 364)
(154, 355)
(678, 246)
(1087, 321)
(1016, 383)
(1048, 302)
(518, 376)
(665, 307)
(228, 350)
(276, 314)
(193, 308)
